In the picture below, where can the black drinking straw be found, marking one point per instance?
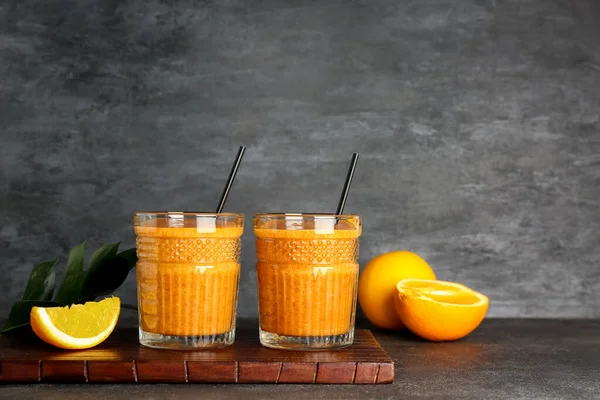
(342, 203)
(234, 169)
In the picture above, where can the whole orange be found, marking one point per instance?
(377, 285)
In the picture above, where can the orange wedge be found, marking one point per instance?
(438, 310)
(79, 326)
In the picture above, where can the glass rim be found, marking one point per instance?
(304, 215)
(188, 214)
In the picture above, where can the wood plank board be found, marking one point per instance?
(120, 359)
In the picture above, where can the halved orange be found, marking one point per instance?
(439, 310)
(79, 326)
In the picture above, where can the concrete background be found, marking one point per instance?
(476, 120)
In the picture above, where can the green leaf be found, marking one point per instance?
(8, 327)
(109, 275)
(129, 306)
(131, 257)
(70, 288)
(19, 313)
(102, 255)
(40, 285)
(105, 278)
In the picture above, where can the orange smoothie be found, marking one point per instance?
(187, 277)
(307, 277)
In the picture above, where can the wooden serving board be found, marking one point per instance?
(120, 359)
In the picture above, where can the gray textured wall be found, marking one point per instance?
(477, 122)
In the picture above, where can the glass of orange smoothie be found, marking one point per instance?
(307, 274)
(187, 278)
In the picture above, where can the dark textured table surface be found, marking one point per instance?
(502, 359)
